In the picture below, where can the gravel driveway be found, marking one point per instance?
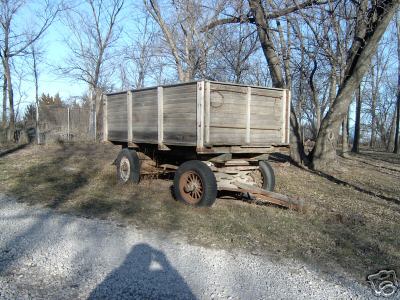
(48, 255)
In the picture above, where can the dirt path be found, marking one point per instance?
(44, 254)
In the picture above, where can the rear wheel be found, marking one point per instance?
(268, 176)
(128, 166)
(195, 184)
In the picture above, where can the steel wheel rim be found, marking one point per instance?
(191, 187)
(124, 169)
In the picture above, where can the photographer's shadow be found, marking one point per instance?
(144, 274)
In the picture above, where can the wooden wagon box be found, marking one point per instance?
(208, 115)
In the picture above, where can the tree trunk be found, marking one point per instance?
(356, 142)
(392, 132)
(10, 98)
(324, 152)
(36, 77)
(274, 65)
(4, 115)
(373, 109)
(396, 139)
(345, 135)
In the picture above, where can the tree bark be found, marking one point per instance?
(345, 135)
(4, 115)
(274, 65)
(396, 139)
(364, 46)
(10, 94)
(356, 142)
(36, 78)
(373, 109)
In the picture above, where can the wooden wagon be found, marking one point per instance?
(213, 135)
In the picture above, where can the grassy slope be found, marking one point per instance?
(346, 228)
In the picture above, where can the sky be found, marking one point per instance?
(55, 52)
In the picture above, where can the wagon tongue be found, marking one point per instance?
(265, 197)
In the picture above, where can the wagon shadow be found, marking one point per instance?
(145, 273)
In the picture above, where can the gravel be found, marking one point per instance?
(47, 255)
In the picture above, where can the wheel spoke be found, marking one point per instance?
(191, 187)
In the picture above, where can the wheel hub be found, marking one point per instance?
(191, 186)
(124, 169)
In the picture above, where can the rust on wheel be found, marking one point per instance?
(191, 187)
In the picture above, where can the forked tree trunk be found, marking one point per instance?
(274, 65)
(324, 152)
(356, 141)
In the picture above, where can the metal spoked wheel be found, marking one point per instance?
(191, 187)
(125, 169)
(195, 184)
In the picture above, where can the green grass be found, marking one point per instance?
(343, 230)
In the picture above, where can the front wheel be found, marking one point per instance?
(128, 166)
(195, 184)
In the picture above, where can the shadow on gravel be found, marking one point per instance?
(145, 274)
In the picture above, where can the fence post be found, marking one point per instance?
(68, 132)
(37, 124)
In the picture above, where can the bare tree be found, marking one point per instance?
(16, 40)
(139, 54)
(94, 30)
(357, 124)
(188, 44)
(372, 21)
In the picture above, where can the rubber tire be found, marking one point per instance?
(207, 176)
(134, 162)
(268, 175)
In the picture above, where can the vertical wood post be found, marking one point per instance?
(200, 115)
(288, 108)
(248, 115)
(283, 117)
(207, 111)
(37, 123)
(129, 116)
(160, 105)
(105, 120)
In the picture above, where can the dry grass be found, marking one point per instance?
(351, 225)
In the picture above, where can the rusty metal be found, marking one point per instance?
(262, 197)
(191, 187)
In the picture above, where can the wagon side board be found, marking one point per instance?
(206, 115)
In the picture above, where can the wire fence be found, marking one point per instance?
(64, 124)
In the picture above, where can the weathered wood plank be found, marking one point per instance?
(129, 115)
(248, 115)
(200, 115)
(160, 119)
